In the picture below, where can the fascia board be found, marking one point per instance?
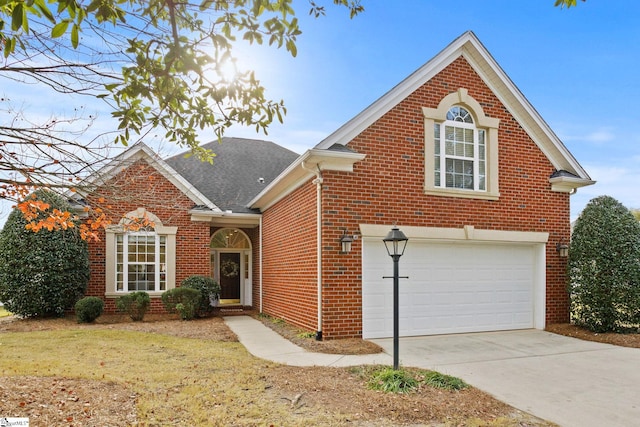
(568, 184)
(225, 218)
(301, 171)
(142, 151)
(384, 104)
(485, 65)
(522, 110)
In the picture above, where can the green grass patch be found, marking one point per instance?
(446, 382)
(306, 334)
(177, 381)
(390, 380)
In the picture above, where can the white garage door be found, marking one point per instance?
(452, 288)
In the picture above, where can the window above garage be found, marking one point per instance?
(461, 149)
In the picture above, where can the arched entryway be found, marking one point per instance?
(231, 265)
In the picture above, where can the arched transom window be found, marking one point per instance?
(230, 238)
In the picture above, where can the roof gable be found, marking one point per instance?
(141, 151)
(469, 47)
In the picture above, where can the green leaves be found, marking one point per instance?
(166, 58)
(603, 269)
(59, 29)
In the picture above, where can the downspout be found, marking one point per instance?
(318, 182)
(260, 266)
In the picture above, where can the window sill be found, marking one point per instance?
(113, 295)
(463, 194)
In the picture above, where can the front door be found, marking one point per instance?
(230, 274)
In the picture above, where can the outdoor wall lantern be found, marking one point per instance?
(562, 248)
(395, 242)
(345, 242)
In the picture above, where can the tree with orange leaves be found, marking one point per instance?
(45, 273)
(159, 65)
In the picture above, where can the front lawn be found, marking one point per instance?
(57, 372)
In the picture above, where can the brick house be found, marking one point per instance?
(454, 155)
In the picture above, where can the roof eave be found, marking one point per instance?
(568, 184)
(468, 46)
(301, 171)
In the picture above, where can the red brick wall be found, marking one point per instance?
(388, 186)
(289, 259)
(137, 186)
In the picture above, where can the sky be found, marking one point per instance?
(578, 67)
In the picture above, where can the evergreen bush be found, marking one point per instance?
(135, 304)
(604, 267)
(42, 273)
(88, 309)
(185, 301)
(209, 292)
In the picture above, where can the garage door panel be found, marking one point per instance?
(452, 288)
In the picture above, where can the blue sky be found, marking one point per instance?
(578, 67)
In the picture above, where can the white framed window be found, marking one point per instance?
(459, 152)
(461, 149)
(141, 260)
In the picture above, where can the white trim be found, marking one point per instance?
(300, 171)
(468, 46)
(467, 233)
(142, 151)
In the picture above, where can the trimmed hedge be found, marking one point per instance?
(185, 301)
(42, 273)
(88, 309)
(604, 267)
(209, 291)
(135, 304)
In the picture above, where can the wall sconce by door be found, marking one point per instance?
(562, 248)
(345, 243)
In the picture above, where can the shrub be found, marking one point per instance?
(135, 304)
(185, 301)
(603, 267)
(443, 381)
(88, 309)
(390, 380)
(209, 291)
(42, 273)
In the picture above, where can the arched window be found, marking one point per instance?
(459, 149)
(230, 238)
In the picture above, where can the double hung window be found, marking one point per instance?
(461, 149)
(141, 262)
(459, 152)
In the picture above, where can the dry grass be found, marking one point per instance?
(4, 313)
(170, 372)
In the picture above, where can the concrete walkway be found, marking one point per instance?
(564, 380)
(266, 344)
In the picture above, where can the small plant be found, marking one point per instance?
(134, 304)
(446, 382)
(209, 292)
(88, 309)
(306, 334)
(184, 301)
(390, 380)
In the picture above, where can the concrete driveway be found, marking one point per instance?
(561, 379)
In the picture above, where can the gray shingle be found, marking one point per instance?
(241, 169)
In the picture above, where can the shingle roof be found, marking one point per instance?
(241, 169)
